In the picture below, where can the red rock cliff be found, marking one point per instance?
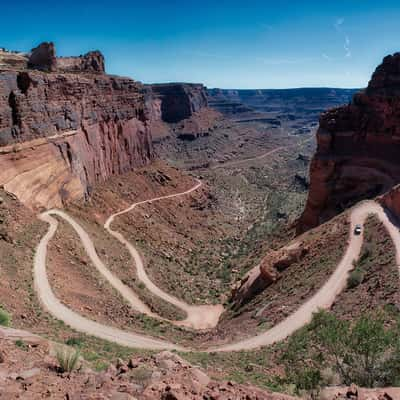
(63, 132)
(358, 148)
(179, 100)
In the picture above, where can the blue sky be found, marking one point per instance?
(229, 44)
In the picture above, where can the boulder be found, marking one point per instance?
(266, 273)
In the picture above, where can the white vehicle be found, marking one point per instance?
(357, 230)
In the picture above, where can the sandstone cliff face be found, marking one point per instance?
(64, 132)
(358, 148)
(179, 110)
(75, 125)
(180, 100)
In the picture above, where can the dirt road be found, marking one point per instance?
(327, 294)
(198, 317)
(324, 298)
(73, 319)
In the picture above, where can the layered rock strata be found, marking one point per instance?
(358, 148)
(63, 132)
(179, 100)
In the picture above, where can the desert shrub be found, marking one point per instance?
(67, 359)
(365, 352)
(366, 252)
(5, 318)
(355, 278)
(21, 344)
(74, 341)
(302, 366)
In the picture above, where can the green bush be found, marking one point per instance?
(364, 352)
(21, 344)
(355, 278)
(67, 359)
(74, 341)
(5, 319)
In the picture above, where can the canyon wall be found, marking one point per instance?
(358, 148)
(179, 110)
(179, 100)
(287, 102)
(62, 132)
(65, 124)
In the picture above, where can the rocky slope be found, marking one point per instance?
(30, 370)
(358, 147)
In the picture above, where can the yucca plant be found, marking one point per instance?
(67, 359)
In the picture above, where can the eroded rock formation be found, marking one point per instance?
(180, 100)
(65, 124)
(89, 62)
(63, 132)
(358, 148)
(180, 110)
(266, 273)
(43, 58)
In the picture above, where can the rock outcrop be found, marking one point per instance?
(358, 148)
(43, 58)
(357, 393)
(266, 273)
(391, 201)
(32, 372)
(63, 132)
(89, 62)
(13, 59)
(179, 100)
(179, 110)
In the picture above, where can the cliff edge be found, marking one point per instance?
(358, 148)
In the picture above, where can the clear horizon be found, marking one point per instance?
(230, 45)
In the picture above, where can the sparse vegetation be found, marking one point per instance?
(355, 278)
(67, 359)
(21, 344)
(365, 352)
(74, 341)
(5, 318)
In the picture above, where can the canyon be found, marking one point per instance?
(192, 218)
